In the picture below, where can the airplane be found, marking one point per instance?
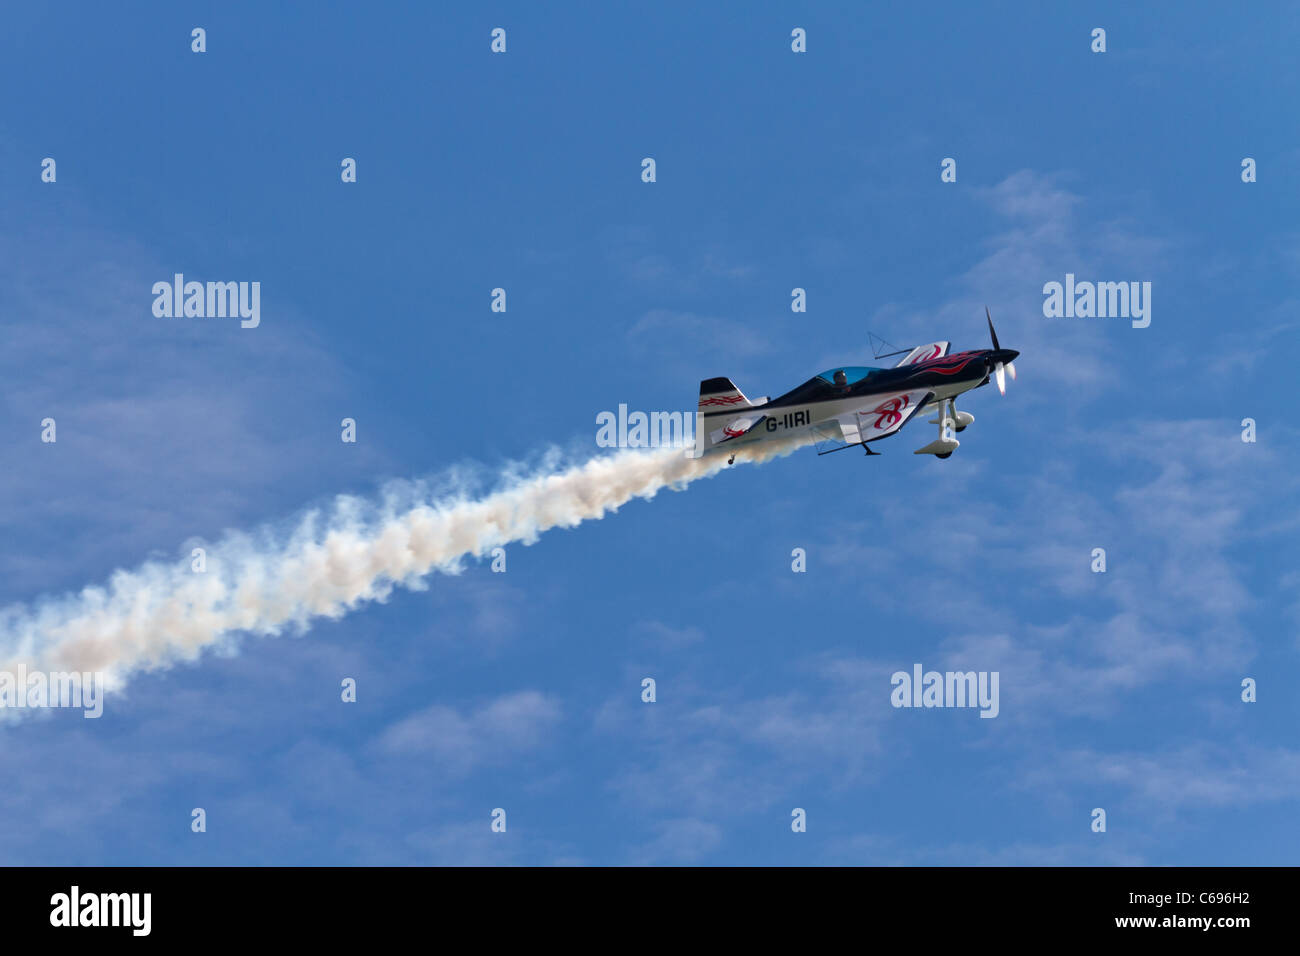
(854, 405)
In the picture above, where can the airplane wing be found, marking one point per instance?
(884, 415)
(735, 428)
(923, 353)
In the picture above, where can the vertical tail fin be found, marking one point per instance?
(720, 395)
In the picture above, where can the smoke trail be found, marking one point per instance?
(325, 566)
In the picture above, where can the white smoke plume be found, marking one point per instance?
(327, 563)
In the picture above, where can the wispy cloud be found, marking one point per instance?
(491, 733)
(1195, 776)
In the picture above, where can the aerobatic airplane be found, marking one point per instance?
(854, 405)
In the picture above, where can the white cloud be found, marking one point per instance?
(679, 840)
(1195, 776)
(490, 734)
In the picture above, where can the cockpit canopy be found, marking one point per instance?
(851, 374)
(823, 387)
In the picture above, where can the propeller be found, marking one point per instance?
(999, 370)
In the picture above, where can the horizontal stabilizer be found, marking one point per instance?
(735, 428)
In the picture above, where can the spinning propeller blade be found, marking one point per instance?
(1000, 369)
(993, 335)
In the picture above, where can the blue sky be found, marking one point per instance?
(775, 170)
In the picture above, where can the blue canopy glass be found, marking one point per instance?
(852, 374)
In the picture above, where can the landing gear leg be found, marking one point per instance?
(948, 409)
(946, 443)
(731, 460)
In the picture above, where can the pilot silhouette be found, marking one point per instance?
(841, 378)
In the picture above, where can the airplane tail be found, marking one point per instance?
(721, 394)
